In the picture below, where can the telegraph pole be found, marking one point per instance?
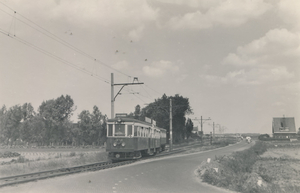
(201, 126)
(113, 98)
(171, 133)
(214, 130)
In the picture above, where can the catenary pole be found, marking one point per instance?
(113, 98)
(171, 120)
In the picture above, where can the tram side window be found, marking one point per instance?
(119, 130)
(110, 130)
(135, 131)
(129, 130)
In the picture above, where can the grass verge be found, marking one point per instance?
(234, 172)
(249, 171)
(24, 166)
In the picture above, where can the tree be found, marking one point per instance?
(92, 126)
(56, 114)
(189, 126)
(10, 123)
(85, 125)
(159, 111)
(28, 111)
(28, 114)
(3, 111)
(137, 113)
(57, 110)
(33, 130)
(99, 125)
(3, 119)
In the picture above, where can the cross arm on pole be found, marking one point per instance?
(113, 97)
(123, 85)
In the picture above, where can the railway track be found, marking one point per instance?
(18, 179)
(11, 180)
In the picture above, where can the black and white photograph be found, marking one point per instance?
(151, 96)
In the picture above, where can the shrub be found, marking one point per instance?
(8, 154)
(22, 159)
(234, 171)
(72, 154)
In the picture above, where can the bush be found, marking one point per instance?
(8, 154)
(22, 159)
(72, 154)
(234, 172)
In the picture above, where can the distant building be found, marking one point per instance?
(284, 127)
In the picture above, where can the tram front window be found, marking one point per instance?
(119, 130)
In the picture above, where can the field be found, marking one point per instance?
(16, 161)
(266, 167)
(280, 166)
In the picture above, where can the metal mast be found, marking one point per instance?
(113, 98)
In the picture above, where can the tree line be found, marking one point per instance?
(51, 124)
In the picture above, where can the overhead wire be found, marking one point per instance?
(53, 56)
(58, 39)
(139, 98)
(63, 42)
(152, 89)
(146, 91)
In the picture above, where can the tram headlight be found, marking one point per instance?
(114, 144)
(123, 144)
(118, 155)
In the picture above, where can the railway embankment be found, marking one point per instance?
(23, 161)
(265, 167)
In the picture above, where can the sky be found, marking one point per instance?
(237, 61)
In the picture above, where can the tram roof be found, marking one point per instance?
(128, 119)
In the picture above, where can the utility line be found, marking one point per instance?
(61, 41)
(58, 39)
(144, 96)
(139, 98)
(54, 56)
(146, 91)
(152, 89)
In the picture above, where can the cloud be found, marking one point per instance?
(136, 34)
(289, 11)
(277, 47)
(293, 88)
(195, 20)
(213, 80)
(106, 12)
(120, 65)
(224, 13)
(255, 76)
(160, 68)
(271, 58)
(193, 3)
(88, 14)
